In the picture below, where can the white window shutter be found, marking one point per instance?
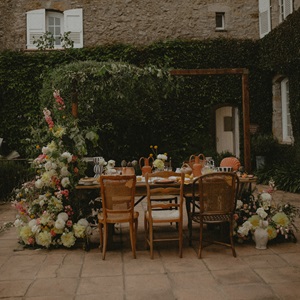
(36, 26)
(288, 7)
(264, 17)
(73, 22)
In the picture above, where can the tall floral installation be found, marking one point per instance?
(278, 219)
(47, 212)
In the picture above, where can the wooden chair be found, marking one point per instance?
(214, 202)
(118, 192)
(158, 212)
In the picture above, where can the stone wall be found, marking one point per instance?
(137, 22)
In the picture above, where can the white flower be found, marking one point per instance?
(64, 172)
(39, 184)
(159, 164)
(35, 229)
(245, 228)
(79, 230)
(64, 216)
(67, 156)
(32, 223)
(65, 182)
(162, 157)
(25, 233)
(111, 164)
(265, 197)
(18, 223)
(45, 150)
(52, 147)
(261, 212)
(44, 239)
(60, 223)
(83, 222)
(239, 204)
(68, 239)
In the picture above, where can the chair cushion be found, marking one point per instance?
(117, 218)
(164, 214)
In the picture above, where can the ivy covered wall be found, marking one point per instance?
(184, 112)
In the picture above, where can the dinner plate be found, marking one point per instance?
(164, 181)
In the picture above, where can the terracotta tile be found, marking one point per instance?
(14, 288)
(279, 275)
(53, 286)
(287, 290)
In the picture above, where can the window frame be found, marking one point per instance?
(285, 8)
(37, 25)
(287, 130)
(222, 16)
(264, 8)
(60, 16)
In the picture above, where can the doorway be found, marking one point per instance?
(227, 130)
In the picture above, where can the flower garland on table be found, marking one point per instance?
(45, 205)
(278, 219)
(159, 159)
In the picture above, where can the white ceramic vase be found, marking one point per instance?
(261, 236)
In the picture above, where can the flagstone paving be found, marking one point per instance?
(77, 274)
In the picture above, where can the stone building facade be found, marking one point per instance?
(137, 22)
(142, 22)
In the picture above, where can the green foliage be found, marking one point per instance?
(12, 174)
(119, 92)
(286, 176)
(47, 41)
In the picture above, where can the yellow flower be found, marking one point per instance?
(272, 233)
(150, 155)
(155, 147)
(254, 220)
(37, 147)
(281, 219)
(151, 146)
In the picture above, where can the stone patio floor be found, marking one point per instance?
(76, 274)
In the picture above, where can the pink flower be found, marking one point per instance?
(69, 223)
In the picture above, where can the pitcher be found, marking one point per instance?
(199, 161)
(144, 163)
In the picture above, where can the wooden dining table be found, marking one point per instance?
(245, 185)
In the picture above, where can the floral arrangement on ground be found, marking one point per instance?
(47, 212)
(278, 219)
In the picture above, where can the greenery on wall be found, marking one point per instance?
(186, 107)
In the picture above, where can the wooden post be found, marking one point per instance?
(245, 100)
(246, 121)
(75, 109)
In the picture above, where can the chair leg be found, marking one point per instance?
(132, 239)
(151, 239)
(136, 223)
(105, 241)
(180, 238)
(201, 239)
(146, 229)
(231, 239)
(100, 225)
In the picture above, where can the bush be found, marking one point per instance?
(12, 174)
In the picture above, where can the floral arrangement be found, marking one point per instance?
(46, 215)
(159, 159)
(277, 219)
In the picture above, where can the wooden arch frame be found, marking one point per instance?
(245, 100)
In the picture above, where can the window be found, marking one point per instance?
(39, 21)
(220, 21)
(285, 8)
(264, 17)
(287, 132)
